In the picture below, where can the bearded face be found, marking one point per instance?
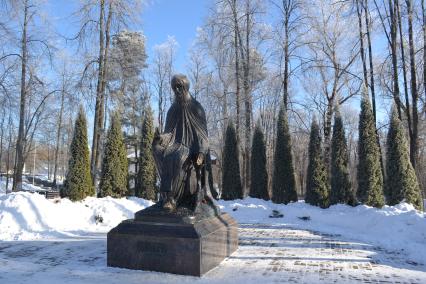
(180, 86)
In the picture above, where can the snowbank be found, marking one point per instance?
(399, 227)
(27, 216)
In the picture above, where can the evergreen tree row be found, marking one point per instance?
(283, 182)
(325, 186)
(114, 174)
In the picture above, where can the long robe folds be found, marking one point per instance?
(184, 138)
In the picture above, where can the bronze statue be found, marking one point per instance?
(184, 233)
(181, 154)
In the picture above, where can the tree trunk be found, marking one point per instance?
(404, 72)
(286, 60)
(48, 161)
(327, 129)
(237, 70)
(9, 144)
(104, 34)
(160, 109)
(98, 120)
(225, 111)
(424, 48)
(20, 142)
(58, 133)
(414, 141)
(1, 141)
(393, 43)
(372, 88)
(247, 100)
(361, 40)
(370, 57)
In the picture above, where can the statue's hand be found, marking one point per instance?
(200, 159)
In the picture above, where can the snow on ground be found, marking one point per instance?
(266, 254)
(25, 186)
(399, 227)
(28, 216)
(3, 185)
(46, 241)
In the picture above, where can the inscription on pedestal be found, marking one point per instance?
(151, 248)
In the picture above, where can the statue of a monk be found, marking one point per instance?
(181, 153)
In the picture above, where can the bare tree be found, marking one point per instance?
(287, 34)
(104, 17)
(162, 70)
(414, 144)
(31, 46)
(331, 44)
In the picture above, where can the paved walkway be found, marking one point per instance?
(284, 255)
(267, 254)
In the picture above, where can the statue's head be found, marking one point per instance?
(180, 86)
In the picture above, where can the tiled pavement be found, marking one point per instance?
(285, 255)
(267, 254)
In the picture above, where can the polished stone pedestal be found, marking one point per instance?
(172, 244)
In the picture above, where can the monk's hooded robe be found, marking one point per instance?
(184, 138)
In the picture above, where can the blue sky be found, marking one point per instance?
(159, 19)
(178, 18)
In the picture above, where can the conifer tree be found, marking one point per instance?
(369, 174)
(283, 180)
(401, 180)
(78, 183)
(147, 175)
(231, 179)
(317, 188)
(259, 175)
(341, 188)
(113, 181)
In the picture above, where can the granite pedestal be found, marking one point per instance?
(172, 243)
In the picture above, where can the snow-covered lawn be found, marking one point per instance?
(45, 241)
(30, 216)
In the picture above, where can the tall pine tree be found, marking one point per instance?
(113, 181)
(231, 179)
(283, 180)
(317, 188)
(341, 188)
(78, 183)
(401, 180)
(259, 175)
(369, 174)
(147, 175)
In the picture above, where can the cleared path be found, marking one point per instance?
(267, 254)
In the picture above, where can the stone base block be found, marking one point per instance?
(180, 248)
